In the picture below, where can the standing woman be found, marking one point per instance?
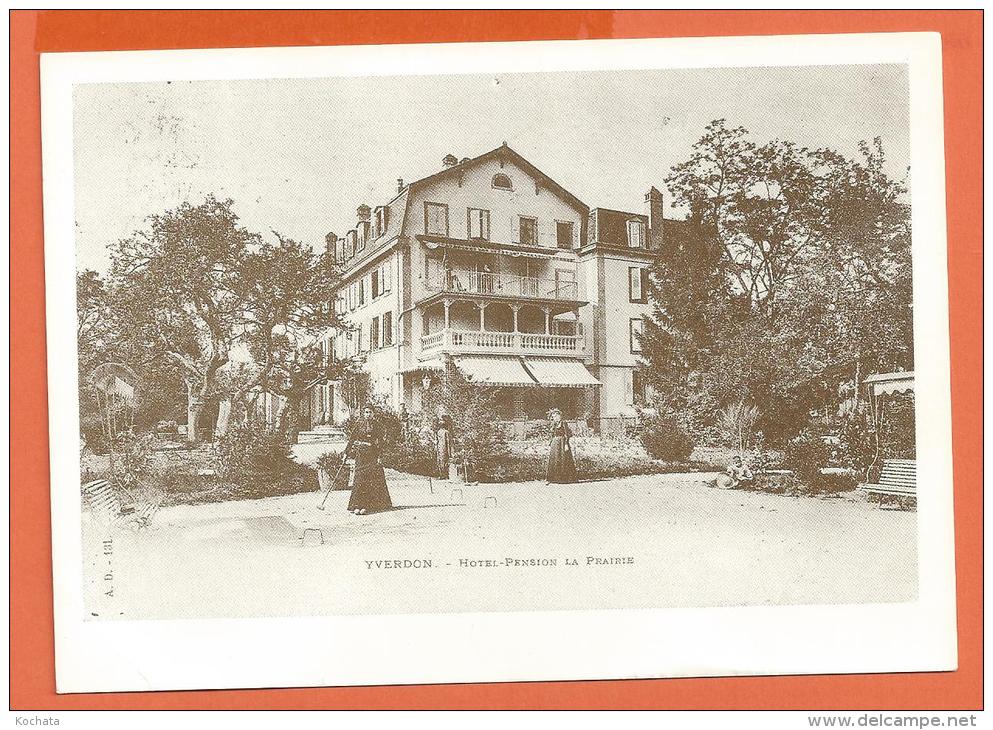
(444, 443)
(561, 464)
(369, 492)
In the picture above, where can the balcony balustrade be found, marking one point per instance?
(512, 285)
(454, 340)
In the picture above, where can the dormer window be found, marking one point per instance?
(636, 234)
(382, 213)
(363, 234)
(502, 182)
(350, 243)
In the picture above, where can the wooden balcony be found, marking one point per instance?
(474, 341)
(464, 281)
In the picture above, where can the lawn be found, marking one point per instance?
(678, 542)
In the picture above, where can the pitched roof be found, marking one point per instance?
(398, 205)
(509, 154)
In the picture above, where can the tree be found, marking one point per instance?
(179, 290)
(757, 203)
(690, 297)
(289, 307)
(791, 280)
(471, 407)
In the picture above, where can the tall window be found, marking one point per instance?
(374, 284)
(361, 291)
(636, 234)
(382, 215)
(387, 283)
(436, 219)
(374, 334)
(479, 224)
(529, 231)
(388, 329)
(563, 234)
(636, 327)
(637, 284)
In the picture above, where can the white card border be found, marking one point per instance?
(486, 647)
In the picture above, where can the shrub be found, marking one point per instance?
(858, 443)
(258, 463)
(413, 456)
(91, 431)
(806, 454)
(479, 437)
(665, 439)
(736, 424)
(131, 462)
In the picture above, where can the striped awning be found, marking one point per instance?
(885, 383)
(560, 372)
(476, 247)
(428, 366)
(494, 370)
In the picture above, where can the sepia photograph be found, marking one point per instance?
(512, 341)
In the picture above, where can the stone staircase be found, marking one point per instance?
(322, 435)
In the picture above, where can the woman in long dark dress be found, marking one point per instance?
(369, 492)
(561, 463)
(445, 438)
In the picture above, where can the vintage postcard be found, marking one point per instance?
(498, 362)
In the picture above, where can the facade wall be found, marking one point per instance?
(477, 191)
(505, 208)
(615, 312)
(381, 360)
(601, 273)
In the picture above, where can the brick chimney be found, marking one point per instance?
(331, 244)
(653, 209)
(449, 161)
(399, 185)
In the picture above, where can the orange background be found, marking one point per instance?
(32, 683)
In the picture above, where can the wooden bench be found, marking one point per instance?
(897, 478)
(111, 510)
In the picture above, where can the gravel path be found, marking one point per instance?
(646, 541)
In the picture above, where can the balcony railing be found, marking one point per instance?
(513, 285)
(452, 340)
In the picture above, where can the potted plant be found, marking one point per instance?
(328, 467)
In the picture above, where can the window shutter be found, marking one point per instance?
(645, 285)
(388, 275)
(388, 329)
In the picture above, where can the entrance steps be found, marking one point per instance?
(322, 435)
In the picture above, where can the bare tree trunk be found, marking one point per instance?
(224, 411)
(193, 410)
(858, 386)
